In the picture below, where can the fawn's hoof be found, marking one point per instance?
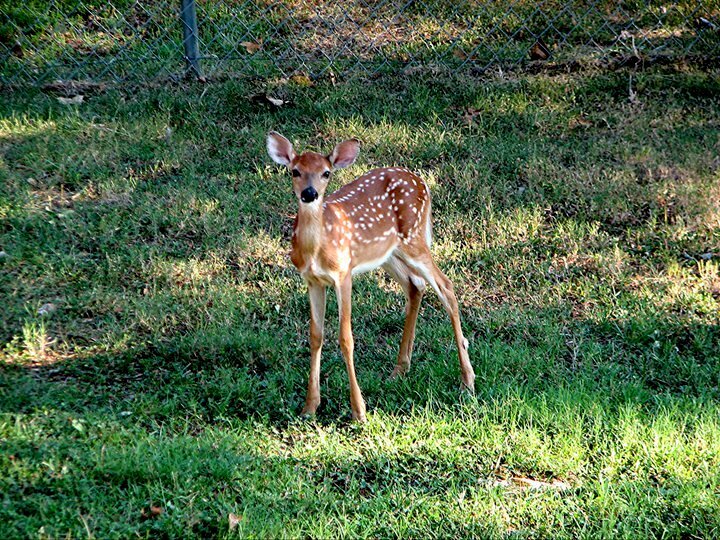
(359, 416)
(399, 371)
(308, 410)
(468, 389)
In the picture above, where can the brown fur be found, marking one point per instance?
(380, 219)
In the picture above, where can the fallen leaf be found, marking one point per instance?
(521, 482)
(703, 23)
(251, 47)
(269, 100)
(152, 512)
(501, 483)
(539, 51)
(74, 87)
(411, 70)
(633, 97)
(578, 122)
(302, 80)
(47, 309)
(537, 484)
(233, 521)
(75, 100)
(470, 114)
(459, 53)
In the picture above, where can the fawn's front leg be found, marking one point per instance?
(344, 293)
(317, 295)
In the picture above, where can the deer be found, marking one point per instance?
(380, 219)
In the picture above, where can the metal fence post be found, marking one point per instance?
(188, 16)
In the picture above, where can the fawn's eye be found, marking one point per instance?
(295, 173)
(326, 174)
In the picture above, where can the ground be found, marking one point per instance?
(156, 334)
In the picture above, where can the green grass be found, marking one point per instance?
(97, 41)
(582, 231)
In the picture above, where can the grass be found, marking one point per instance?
(158, 395)
(91, 40)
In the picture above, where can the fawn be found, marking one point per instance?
(381, 219)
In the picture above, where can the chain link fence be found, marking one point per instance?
(143, 41)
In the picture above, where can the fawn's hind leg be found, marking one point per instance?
(413, 286)
(444, 289)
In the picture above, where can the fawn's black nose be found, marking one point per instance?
(309, 195)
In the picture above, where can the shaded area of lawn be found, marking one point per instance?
(581, 228)
(97, 42)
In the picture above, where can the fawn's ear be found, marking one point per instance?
(280, 149)
(344, 153)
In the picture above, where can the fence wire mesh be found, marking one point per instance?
(121, 40)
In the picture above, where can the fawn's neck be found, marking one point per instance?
(309, 227)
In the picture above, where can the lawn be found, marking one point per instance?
(154, 333)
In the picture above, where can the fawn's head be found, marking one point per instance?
(310, 170)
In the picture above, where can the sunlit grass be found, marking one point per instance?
(580, 232)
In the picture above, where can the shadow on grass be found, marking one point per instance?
(198, 378)
(509, 159)
(110, 436)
